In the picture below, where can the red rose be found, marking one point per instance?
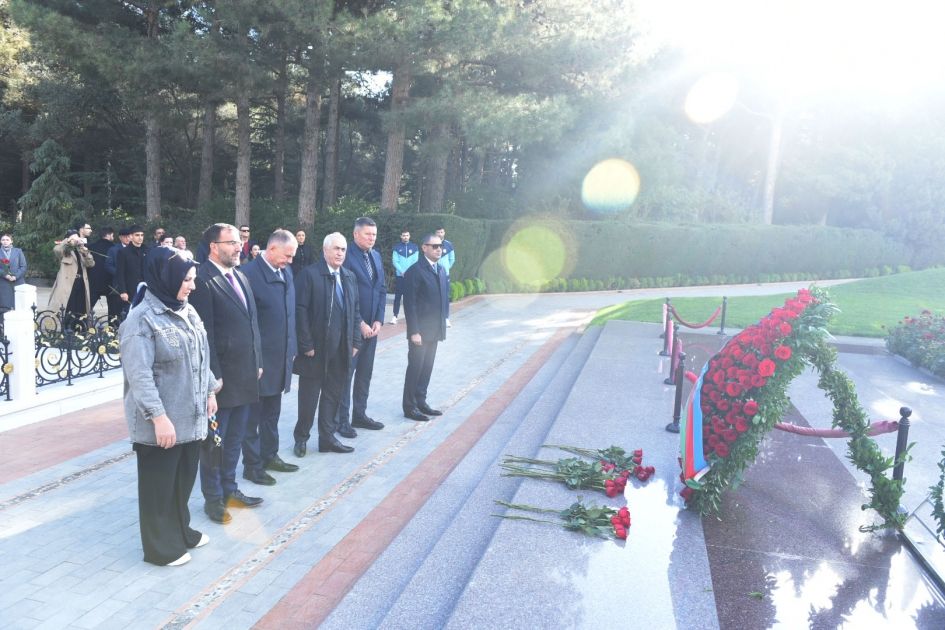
(750, 408)
(721, 449)
(638, 452)
(686, 493)
(611, 491)
(766, 368)
(723, 405)
(733, 389)
(718, 377)
(650, 469)
(730, 435)
(782, 352)
(785, 328)
(620, 533)
(713, 441)
(741, 425)
(758, 380)
(726, 363)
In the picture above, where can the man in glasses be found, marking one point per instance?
(426, 299)
(225, 302)
(246, 243)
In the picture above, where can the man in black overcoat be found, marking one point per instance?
(270, 277)
(225, 302)
(327, 325)
(426, 303)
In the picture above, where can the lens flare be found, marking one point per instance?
(711, 97)
(611, 186)
(534, 255)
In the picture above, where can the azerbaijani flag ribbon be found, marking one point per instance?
(690, 434)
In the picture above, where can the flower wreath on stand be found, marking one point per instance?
(742, 393)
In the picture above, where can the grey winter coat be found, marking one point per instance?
(166, 364)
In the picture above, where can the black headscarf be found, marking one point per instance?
(164, 273)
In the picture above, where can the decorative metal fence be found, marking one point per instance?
(69, 346)
(5, 366)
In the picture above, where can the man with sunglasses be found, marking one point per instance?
(426, 299)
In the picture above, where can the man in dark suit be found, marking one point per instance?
(426, 300)
(328, 328)
(99, 276)
(130, 270)
(366, 266)
(226, 304)
(270, 277)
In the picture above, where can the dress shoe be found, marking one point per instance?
(429, 410)
(261, 478)
(217, 511)
(332, 445)
(278, 465)
(348, 432)
(184, 559)
(367, 423)
(414, 414)
(240, 500)
(300, 448)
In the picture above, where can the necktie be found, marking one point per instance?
(279, 274)
(236, 288)
(339, 291)
(367, 265)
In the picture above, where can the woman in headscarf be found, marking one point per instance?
(12, 271)
(169, 396)
(71, 288)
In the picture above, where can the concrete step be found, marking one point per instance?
(539, 575)
(416, 581)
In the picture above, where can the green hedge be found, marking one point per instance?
(592, 254)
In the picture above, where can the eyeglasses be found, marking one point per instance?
(234, 243)
(434, 245)
(244, 230)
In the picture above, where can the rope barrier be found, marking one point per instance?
(672, 309)
(877, 428)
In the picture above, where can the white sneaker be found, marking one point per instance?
(448, 324)
(184, 559)
(204, 539)
(393, 320)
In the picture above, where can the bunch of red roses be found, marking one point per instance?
(618, 482)
(621, 522)
(742, 368)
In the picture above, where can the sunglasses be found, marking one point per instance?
(434, 245)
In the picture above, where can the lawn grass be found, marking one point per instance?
(867, 307)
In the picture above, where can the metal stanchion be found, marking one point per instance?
(668, 339)
(902, 441)
(674, 360)
(665, 317)
(724, 308)
(673, 427)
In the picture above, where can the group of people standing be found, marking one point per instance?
(209, 350)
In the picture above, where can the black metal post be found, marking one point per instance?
(673, 427)
(667, 338)
(902, 441)
(724, 308)
(674, 357)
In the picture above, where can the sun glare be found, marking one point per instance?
(610, 186)
(883, 49)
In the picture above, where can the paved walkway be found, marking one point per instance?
(344, 528)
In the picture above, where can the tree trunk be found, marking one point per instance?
(26, 179)
(329, 191)
(435, 200)
(152, 152)
(308, 178)
(456, 167)
(394, 162)
(205, 187)
(278, 158)
(774, 161)
(242, 158)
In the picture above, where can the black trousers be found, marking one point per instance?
(358, 385)
(165, 479)
(419, 369)
(261, 443)
(323, 390)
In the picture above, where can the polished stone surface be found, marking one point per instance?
(787, 551)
